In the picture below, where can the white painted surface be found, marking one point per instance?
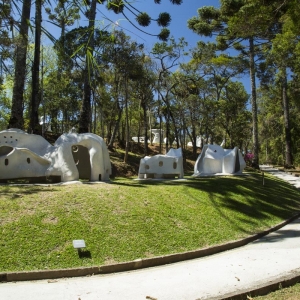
(29, 155)
(159, 165)
(213, 159)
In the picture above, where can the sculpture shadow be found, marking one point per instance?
(84, 254)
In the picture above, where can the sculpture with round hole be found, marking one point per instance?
(162, 166)
(72, 157)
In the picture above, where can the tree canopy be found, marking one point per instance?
(98, 79)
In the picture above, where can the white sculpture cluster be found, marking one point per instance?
(73, 156)
(162, 166)
(213, 159)
(85, 156)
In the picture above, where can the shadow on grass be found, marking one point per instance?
(17, 191)
(128, 183)
(84, 254)
(254, 203)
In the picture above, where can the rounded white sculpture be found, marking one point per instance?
(24, 155)
(158, 134)
(213, 159)
(162, 166)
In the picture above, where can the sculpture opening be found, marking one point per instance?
(81, 158)
(72, 157)
(213, 159)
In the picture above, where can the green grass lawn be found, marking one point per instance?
(126, 219)
(290, 293)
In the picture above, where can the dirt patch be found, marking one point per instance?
(50, 220)
(110, 261)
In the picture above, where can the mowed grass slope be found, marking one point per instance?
(289, 293)
(126, 219)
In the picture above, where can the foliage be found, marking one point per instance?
(289, 293)
(248, 158)
(116, 82)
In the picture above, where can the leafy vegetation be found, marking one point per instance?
(290, 293)
(95, 78)
(102, 81)
(128, 219)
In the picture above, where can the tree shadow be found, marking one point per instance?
(280, 235)
(256, 203)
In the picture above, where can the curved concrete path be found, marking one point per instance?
(282, 175)
(257, 267)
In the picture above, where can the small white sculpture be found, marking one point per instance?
(158, 134)
(72, 130)
(215, 160)
(198, 142)
(141, 139)
(162, 166)
(73, 156)
(45, 126)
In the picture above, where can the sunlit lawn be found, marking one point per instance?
(290, 293)
(127, 219)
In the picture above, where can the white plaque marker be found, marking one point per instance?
(77, 244)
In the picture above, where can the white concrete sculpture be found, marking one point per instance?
(162, 166)
(158, 134)
(45, 126)
(174, 142)
(72, 157)
(198, 142)
(140, 139)
(215, 160)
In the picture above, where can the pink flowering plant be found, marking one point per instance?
(248, 158)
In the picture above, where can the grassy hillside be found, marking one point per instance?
(128, 219)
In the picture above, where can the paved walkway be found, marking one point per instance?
(282, 175)
(269, 260)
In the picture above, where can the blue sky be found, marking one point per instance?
(178, 27)
(180, 14)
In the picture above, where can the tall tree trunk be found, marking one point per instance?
(176, 135)
(255, 162)
(35, 93)
(166, 101)
(167, 132)
(287, 128)
(160, 133)
(85, 113)
(194, 141)
(16, 117)
(145, 119)
(116, 128)
(150, 128)
(126, 121)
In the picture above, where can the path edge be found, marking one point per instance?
(139, 263)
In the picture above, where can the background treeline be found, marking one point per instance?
(97, 79)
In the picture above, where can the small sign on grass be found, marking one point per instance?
(78, 244)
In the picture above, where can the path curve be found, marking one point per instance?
(261, 266)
